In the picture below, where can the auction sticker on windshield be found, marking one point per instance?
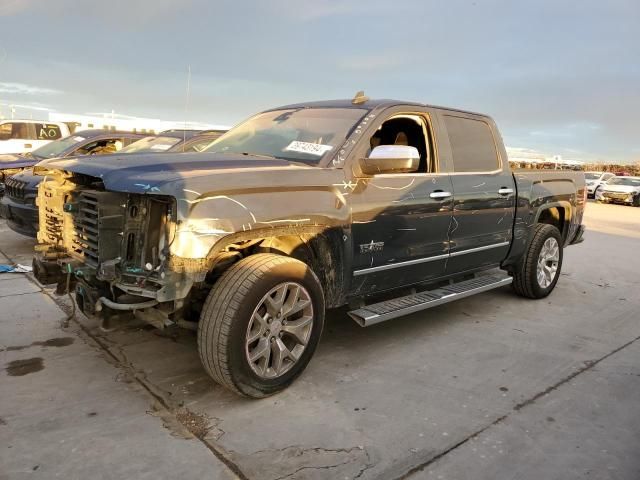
(311, 148)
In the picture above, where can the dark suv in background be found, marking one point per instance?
(19, 187)
(175, 141)
(19, 207)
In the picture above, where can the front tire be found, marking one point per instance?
(261, 324)
(539, 270)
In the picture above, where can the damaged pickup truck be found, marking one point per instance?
(388, 207)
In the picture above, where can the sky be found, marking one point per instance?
(560, 77)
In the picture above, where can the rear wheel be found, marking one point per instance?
(538, 273)
(261, 324)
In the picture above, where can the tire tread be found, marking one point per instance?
(522, 277)
(219, 312)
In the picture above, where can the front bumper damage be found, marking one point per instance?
(113, 248)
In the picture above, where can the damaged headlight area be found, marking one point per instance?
(115, 246)
(5, 175)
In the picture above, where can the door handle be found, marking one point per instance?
(505, 191)
(28, 145)
(440, 195)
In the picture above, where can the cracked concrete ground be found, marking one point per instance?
(490, 387)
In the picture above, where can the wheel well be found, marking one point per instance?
(321, 251)
(554, 216)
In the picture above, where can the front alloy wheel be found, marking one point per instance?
(279, 330)
(261, 324)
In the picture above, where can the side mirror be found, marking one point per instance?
(391, 159)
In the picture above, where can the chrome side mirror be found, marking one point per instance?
(391, 159)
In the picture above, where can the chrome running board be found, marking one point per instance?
(398, 307)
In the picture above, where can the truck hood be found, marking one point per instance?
(155, 172)
(620, 188)
(16, 161)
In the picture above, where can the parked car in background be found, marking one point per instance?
(595, 180)
(19, 185)
(86, 142)
(19, 207)
(620, 190)
(22, 136)
(177, 141)
(198, 142)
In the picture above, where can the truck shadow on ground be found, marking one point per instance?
(169, 359)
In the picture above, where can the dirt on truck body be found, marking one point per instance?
(299, 209)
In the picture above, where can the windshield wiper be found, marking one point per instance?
(250, 154)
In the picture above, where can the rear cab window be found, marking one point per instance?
(47, 131)
(472, 145)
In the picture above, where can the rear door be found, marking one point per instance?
(483, 194)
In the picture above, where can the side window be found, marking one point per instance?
(100, 147)
(406, 129)
(199, 146)
(472, 145)
(5, 131)
(14, 130)
(47, 131)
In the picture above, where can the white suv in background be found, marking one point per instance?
(22, 136)
(595, 180)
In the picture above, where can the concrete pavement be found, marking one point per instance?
(67, 410)
(555, 381)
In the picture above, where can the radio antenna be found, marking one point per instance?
(186, 104)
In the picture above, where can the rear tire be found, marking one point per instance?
(539, 270)
(268, 298)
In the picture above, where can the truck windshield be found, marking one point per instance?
(592, 175)
(630, 181)
(57, 147)
(300, 134)
(151, 144)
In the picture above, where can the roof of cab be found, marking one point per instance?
(24, 120)
(369, 104)
(96, 132)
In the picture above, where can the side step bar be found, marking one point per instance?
(398, 307)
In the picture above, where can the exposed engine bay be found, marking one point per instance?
(115, 246)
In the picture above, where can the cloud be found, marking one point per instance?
(12, 7)
(33, 106)
(11, 88)
(137, 11)
(317, 9)
(382, 61)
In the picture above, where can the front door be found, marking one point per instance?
(400, 221)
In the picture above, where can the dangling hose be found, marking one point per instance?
(72, 315)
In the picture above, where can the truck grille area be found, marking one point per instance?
(15, 188)
(98, 221)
